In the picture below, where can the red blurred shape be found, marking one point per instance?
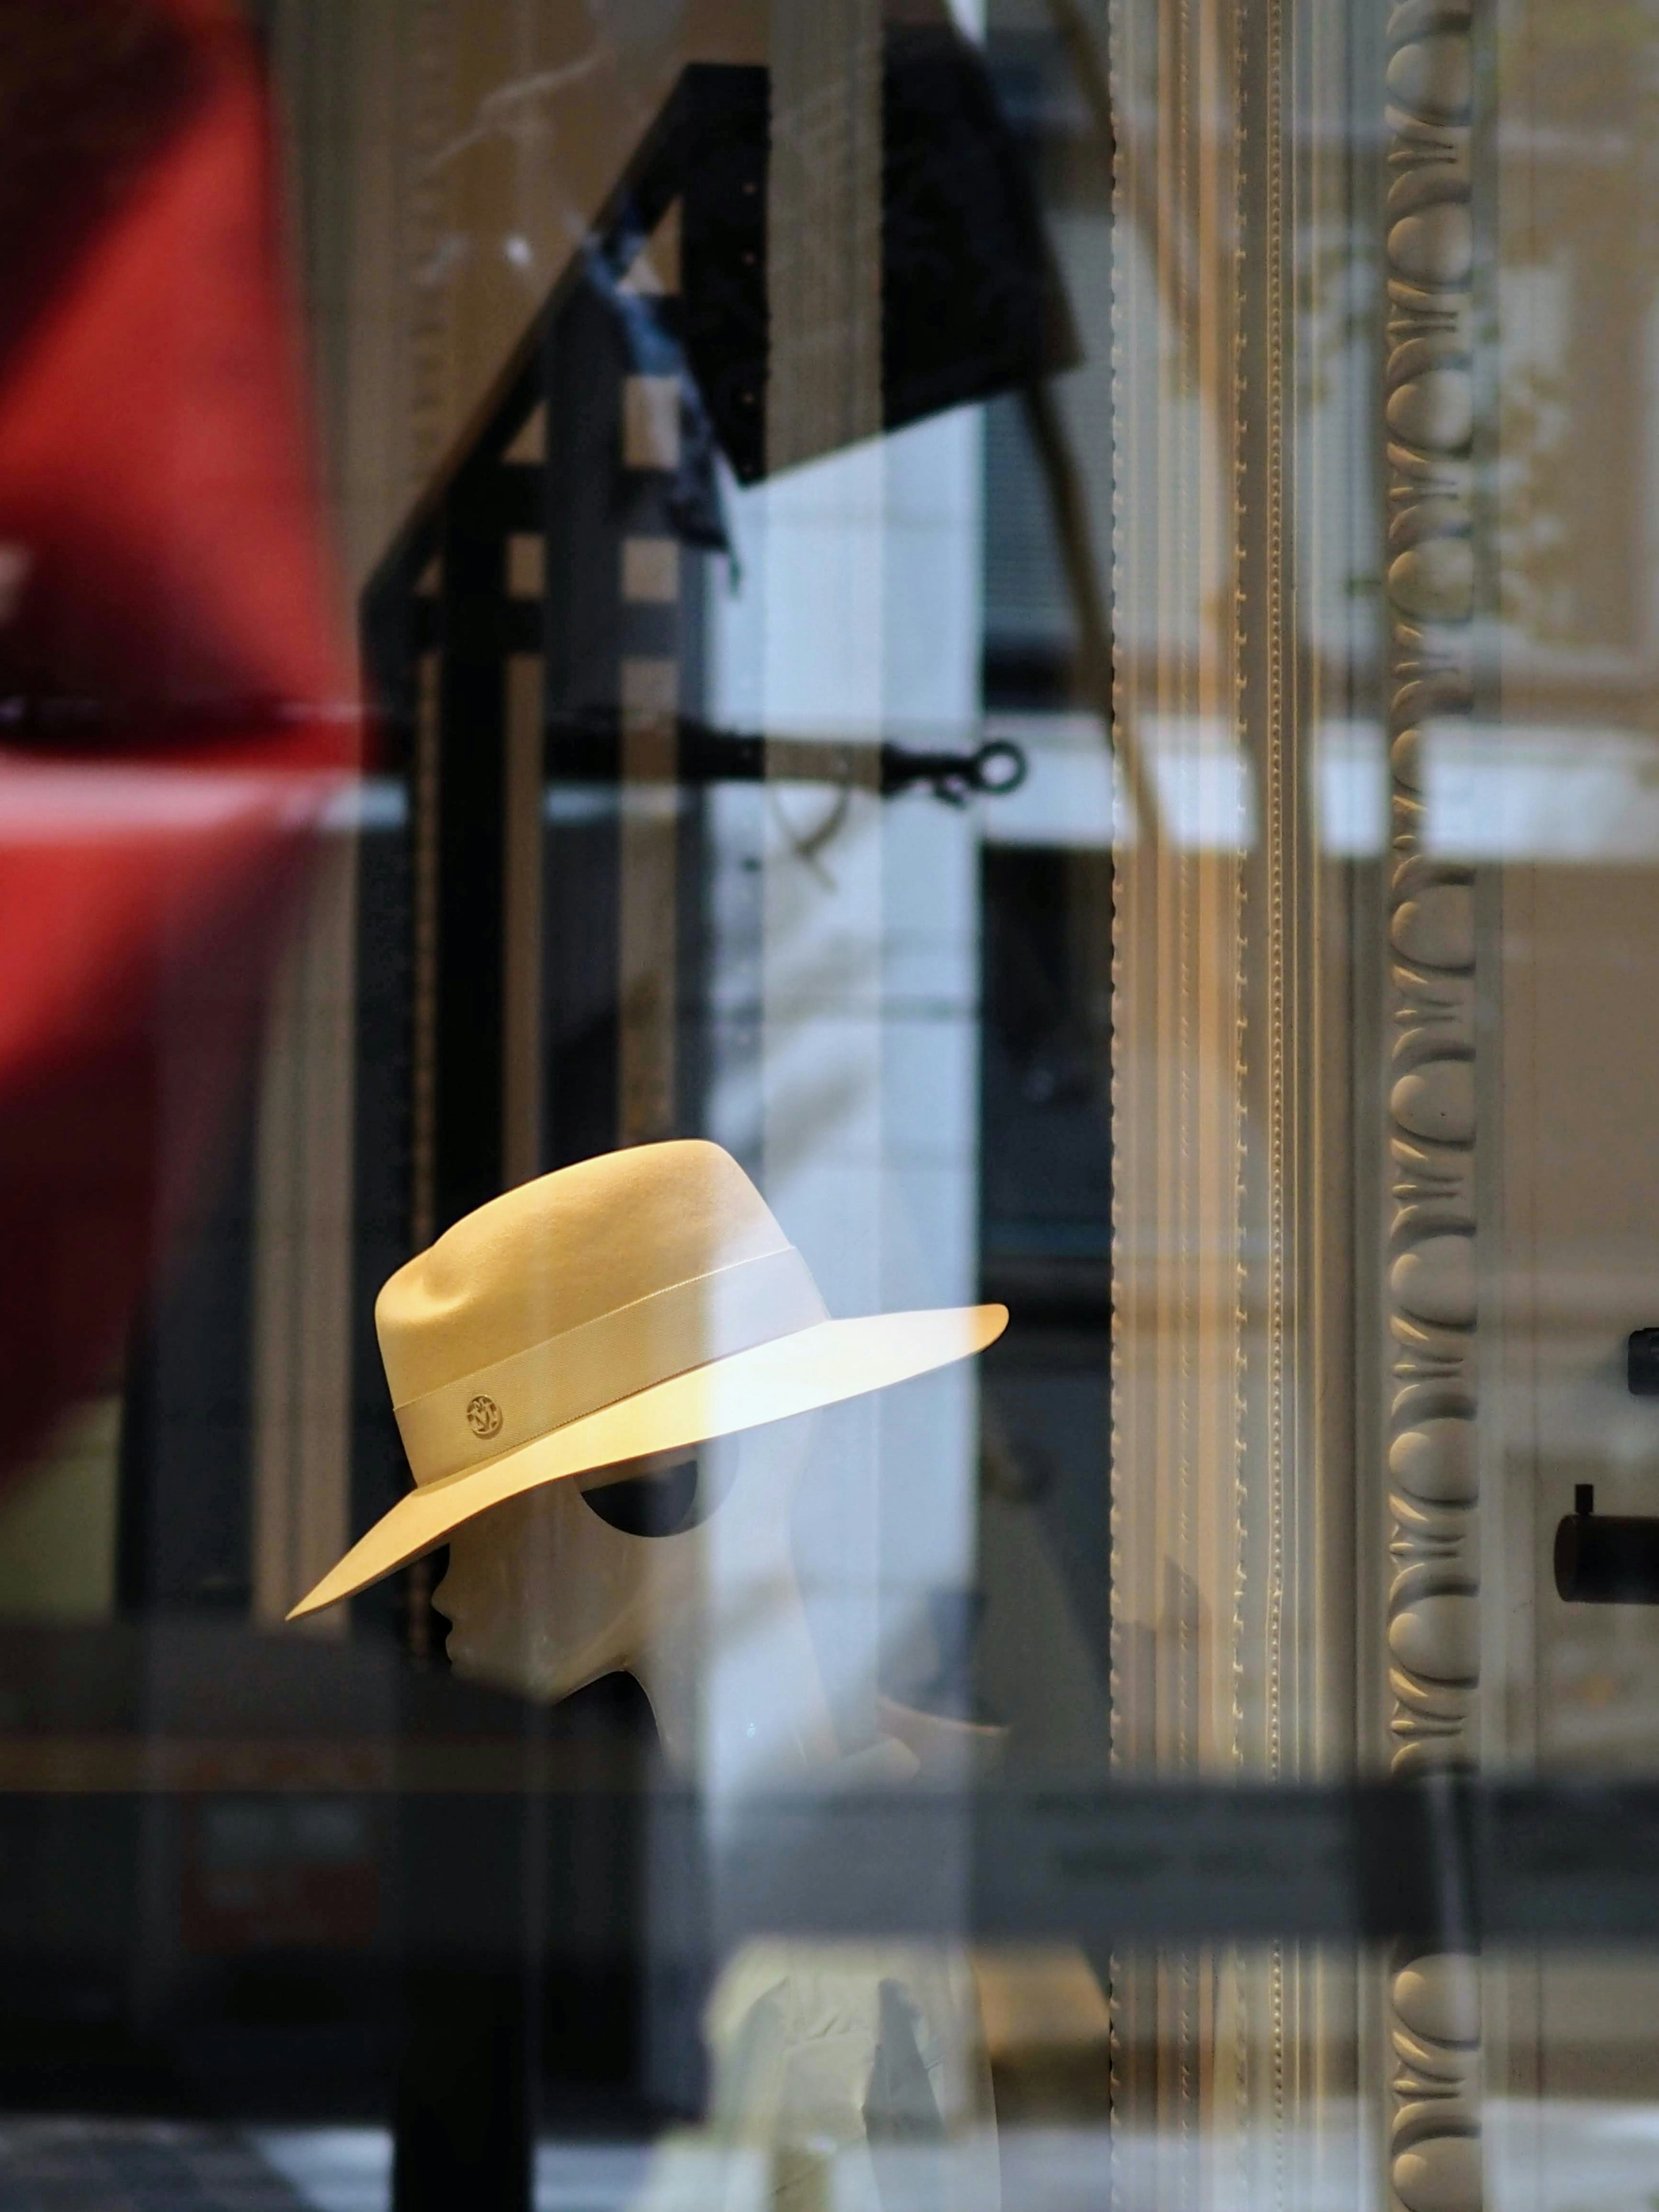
(176, 700)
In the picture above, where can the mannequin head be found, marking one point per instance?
(676, 1569)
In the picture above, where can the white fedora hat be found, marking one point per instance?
(634, 1304)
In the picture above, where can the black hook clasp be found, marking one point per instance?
(998, 767)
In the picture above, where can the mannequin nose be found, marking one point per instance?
(443, 1598)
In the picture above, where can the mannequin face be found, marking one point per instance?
(552, 1589)
(545, 1594)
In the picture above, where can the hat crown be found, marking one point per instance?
(564, 1250)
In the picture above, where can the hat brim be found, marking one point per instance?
(817, 1366)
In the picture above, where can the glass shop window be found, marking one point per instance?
(827, 1255)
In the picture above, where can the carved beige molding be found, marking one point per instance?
(1232, 1452)
(1433, 2021)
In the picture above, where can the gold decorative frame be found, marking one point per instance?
(1254, 1015)
(1233, 1530)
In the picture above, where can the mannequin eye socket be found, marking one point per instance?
(664, 1503)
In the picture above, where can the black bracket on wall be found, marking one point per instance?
(1642, 1362)
(1606, 1558)
(1612, 1558)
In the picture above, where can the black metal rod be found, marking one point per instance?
(585, 747)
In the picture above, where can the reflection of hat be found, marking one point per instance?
(632, 1303)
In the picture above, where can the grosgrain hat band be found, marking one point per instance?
(481, 1416)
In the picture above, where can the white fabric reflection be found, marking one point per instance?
(1558, 2155)
(1066, 797)
(1351, 768)
(1202, 782)
(844, 945)
(1205, 791)
(1073, 797)
(1564, 792)
(858, 2073)
(57, 804)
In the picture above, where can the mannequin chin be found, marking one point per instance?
(544, 1595)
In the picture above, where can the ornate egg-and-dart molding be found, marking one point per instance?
(1433, 1999)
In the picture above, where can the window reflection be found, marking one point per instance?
(732, 422)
